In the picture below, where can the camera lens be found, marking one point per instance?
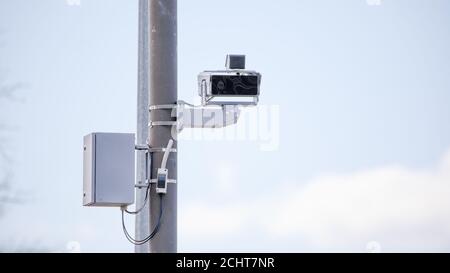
(221, 85)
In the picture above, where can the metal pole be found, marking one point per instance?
(163, 90)
(142, 227)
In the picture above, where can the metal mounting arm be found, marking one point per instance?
(202, 116)
(211, 116)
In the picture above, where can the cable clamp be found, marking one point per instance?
(161, 150)
(162, 107)
(162, 123)
(170, 181)
(153, 181)
(141, 147)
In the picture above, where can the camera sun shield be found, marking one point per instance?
(235, 61)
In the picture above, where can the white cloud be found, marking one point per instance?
(400, 209)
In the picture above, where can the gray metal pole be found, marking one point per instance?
(163, 90)
(142, 227)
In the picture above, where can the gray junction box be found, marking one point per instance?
(108, 170)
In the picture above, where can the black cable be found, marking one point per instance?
(143, 206)
(152, 234)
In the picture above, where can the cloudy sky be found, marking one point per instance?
(349, 151)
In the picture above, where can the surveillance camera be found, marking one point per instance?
(235, 86)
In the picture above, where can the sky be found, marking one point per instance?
(350, 150)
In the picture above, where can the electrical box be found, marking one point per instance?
(108, 169)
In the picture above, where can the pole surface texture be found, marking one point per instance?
(142, 227)
(163, 90)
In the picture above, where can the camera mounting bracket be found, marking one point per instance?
(192, 116)
(202, 116)
(210, 116)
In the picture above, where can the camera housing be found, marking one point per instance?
(234, 86)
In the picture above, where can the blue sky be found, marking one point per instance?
(363, 95)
